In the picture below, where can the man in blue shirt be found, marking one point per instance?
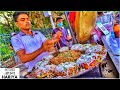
(29, 45)
(65, 38)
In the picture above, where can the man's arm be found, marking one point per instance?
(29, 57)
(69, 38)
(20, 51)
(46, 46)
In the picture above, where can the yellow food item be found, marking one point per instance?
(84, 25)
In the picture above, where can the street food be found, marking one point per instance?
(71, 61)
(67, 56)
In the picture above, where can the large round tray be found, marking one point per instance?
(84, 71)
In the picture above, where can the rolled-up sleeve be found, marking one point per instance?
(17, 44)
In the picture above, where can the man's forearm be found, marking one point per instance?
(29, 57)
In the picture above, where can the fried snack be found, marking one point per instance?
(71, 62)
(72, 71)
(67, 56)
(60, 73)
(47, 71)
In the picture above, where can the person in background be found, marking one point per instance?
(107, 20)
(117, 17)
(64, 38)
(29, 45)
(12, 34)
(116, 26)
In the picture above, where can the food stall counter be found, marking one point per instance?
(111, 51)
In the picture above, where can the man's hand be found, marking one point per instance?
(58, 35)
(48, 45)
(69, 38)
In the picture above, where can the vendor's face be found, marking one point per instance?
(59, 23)
(23, 22)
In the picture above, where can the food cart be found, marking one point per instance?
(87, 62)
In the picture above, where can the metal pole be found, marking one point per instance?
(48, 14)
(72, 33)
(52, 23)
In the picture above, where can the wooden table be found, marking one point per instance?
(115, 58)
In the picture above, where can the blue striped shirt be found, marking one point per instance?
(29, 44)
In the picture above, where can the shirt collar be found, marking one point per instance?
(59, 29)
(23, 34)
